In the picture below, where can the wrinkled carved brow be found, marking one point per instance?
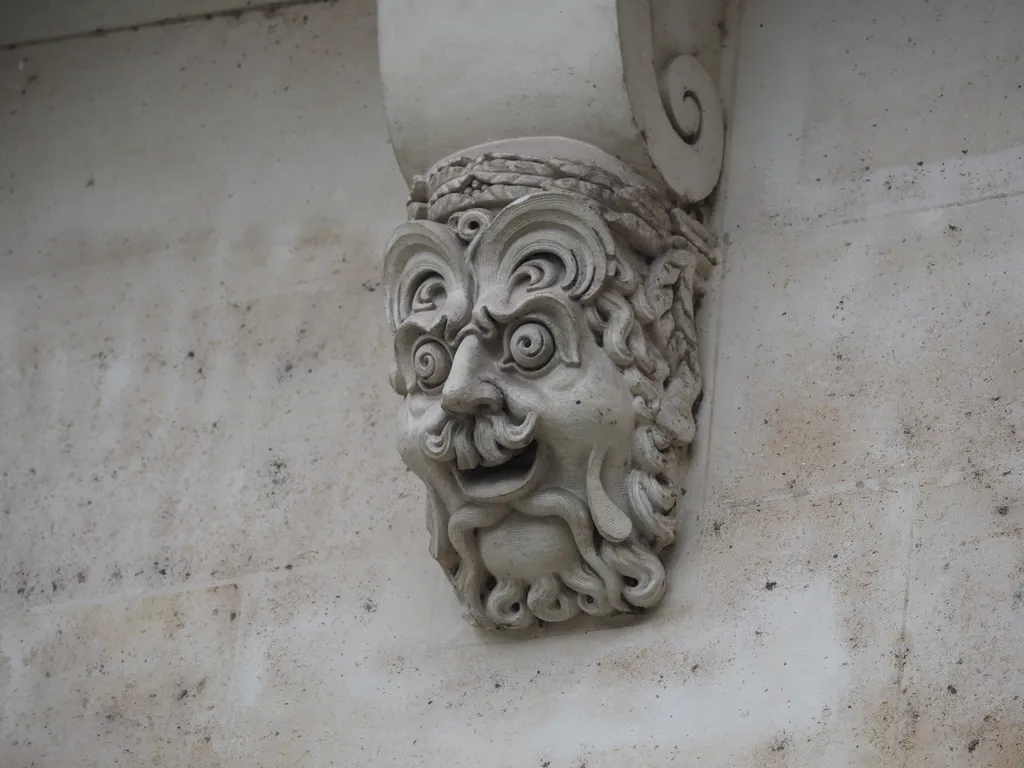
(440, 325)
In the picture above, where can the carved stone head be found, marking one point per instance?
(545, 348)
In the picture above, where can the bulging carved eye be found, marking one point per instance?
(531, 346)
(432, 363)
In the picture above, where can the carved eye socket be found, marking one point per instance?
(531, 346)
(432, 363)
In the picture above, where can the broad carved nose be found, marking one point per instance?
(467, 389)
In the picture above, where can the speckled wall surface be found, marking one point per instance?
(211, 555)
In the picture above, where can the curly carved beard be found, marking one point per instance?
(607, 577)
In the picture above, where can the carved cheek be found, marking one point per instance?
(603, 406)
(419, 414)
(422, 413)
(578, 409)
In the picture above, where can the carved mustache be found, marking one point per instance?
(489, 439)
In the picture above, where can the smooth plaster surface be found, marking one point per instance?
(211, 555)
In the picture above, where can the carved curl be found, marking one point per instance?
(565, 227)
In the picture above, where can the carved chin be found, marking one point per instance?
(525, 548)
(504, 482)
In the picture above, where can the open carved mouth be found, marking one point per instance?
(517, 475)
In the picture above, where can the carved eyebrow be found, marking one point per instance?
(548, 302)
(439, 326)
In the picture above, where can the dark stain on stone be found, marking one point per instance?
(278, 471)
(770, 585)
(973, 745)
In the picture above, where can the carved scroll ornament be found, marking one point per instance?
(545, 348)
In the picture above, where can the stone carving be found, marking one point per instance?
(545, 347)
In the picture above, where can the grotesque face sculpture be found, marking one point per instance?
(545, 348)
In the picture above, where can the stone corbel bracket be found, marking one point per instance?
(458, 74)
(543, 293)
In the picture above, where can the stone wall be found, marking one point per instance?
(213, 556)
